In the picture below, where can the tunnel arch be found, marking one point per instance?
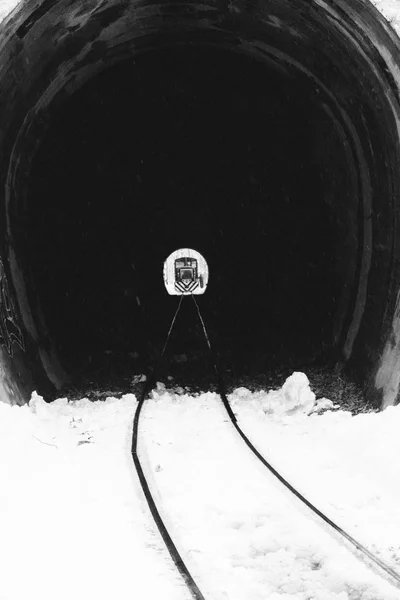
(341, 59)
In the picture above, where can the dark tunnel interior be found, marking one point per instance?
(200, 147)
(264, 135)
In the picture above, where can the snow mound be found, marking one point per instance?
(297, 395)
(325, 404)
(295, 398)
(38, 406)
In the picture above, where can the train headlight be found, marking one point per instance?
(185, 272)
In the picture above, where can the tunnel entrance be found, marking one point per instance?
(192, 146)
(264, 135)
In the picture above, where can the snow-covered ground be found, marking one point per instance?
(74, 522)
(353, 459)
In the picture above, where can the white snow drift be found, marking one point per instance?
(74, 522)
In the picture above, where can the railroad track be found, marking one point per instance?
(172, 549)
(357, 549)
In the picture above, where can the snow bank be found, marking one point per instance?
(294, 398)
(73, 514)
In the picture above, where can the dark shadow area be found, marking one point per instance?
(263, 135)
(188, 147)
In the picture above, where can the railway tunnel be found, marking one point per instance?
(263, 134)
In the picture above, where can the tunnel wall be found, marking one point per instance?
(346, 49)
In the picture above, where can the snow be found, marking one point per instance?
(352, 458)
(391, 11)
(74, 521)
(295, 397)
(6, 6)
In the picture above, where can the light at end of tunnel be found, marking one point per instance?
(185, 273)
